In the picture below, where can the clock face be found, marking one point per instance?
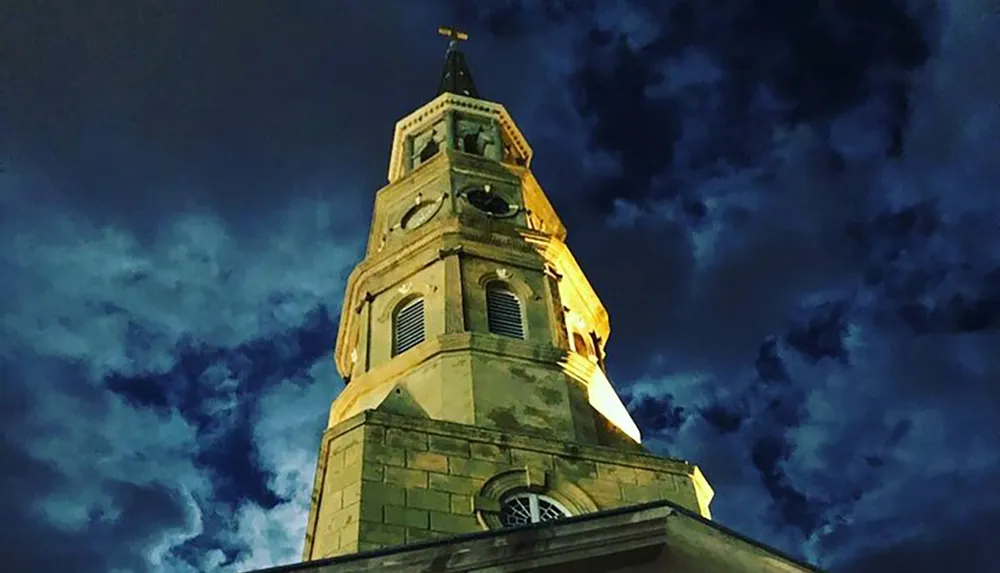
(419, 214)
(488, 201)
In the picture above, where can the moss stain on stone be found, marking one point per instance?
(504, 418)
(550, 396)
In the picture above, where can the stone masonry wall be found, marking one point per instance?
(392, 479)
(333, 521)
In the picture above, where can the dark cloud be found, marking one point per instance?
(823, 336)
(134, 401)
(637, 131)
(654, 414)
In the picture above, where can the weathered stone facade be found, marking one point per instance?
(385, 479)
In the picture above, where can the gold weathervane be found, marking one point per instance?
(454, 36)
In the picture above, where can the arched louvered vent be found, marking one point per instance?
(408, 326)
(503, 311)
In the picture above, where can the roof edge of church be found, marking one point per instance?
(451, 540)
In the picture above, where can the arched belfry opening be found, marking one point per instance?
(408, 325)
(429, 150)
(470, 143)
(504, 312)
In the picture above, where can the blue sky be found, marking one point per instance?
(789, 209)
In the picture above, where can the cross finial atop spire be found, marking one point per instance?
(456, 78)
(454, 36)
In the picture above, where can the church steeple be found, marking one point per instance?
(473, 347)
(456, 77)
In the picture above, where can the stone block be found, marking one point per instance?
(372, 471)
(449, 446)
(474, 468)
(405, 477)
(646, 477)
(489, 452)
(352, 455)
(348, 535)
(641, 493)
(430, 461)
(346, 440)
(528, 458)
(454, 484)
(575, 467)
(621, 474)
(385, 455)
(427, 499)
(371, 510)
(374, 434)
(451, 523)
(606, 493)
(461, 504)
(343, 518)
(343, 474)
(387, 494)
(406, 516)
(405, 439)
(333, 499)
(351, 493)
(382, 533)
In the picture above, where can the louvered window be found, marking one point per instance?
(503, 312)
(408, 326)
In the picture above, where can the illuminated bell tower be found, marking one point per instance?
(473, 349)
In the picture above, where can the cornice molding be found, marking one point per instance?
(438, 106)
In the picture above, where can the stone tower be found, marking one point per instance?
(473, 349)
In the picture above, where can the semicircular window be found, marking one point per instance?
(525, 508)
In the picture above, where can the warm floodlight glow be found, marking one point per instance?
(600, 394)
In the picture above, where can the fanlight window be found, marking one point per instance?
(503, 311)
(525, 508)
(408, 326)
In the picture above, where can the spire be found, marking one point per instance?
(456, 77)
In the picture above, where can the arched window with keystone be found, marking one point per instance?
(504, 315)
(408, 328)
(516, 497)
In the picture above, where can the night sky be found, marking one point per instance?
(790, 209)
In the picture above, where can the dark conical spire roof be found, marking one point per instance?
(456, 77)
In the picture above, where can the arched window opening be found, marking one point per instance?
(580, 344)
(525, 508)
(429, 150)
(408, 326)
(470, 143)
(503, 311)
